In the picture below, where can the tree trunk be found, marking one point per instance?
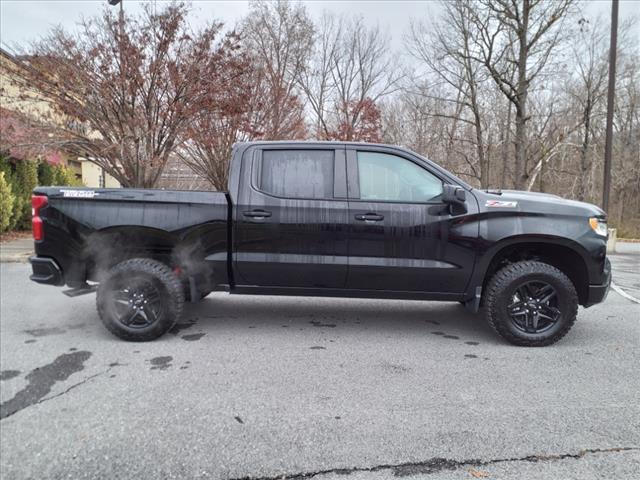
(584, 151)
(477, 121)
(522, 90)
(506, 141)
(521, 148)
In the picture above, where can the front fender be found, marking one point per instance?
(507, 230)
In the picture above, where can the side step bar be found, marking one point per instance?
(82, 290)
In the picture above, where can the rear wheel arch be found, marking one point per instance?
(108, 247)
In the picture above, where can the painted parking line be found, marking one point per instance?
(624, 294)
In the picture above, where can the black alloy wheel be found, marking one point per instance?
(140, 299)
(534, 307)
(531, 303)
(137, 303)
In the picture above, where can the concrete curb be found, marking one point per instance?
(626, 247)
(17, 251)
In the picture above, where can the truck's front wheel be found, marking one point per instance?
(531, 303)
(140, 299)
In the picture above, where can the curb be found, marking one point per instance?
(624, 294)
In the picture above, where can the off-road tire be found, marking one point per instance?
(166, 282)
(501, 288)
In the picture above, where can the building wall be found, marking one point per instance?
(178, 176)
(110, 182)
(95, 177)
(16, 95)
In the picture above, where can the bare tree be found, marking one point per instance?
(447, 48)
(550, 127)
(557, 109)
(588, 90)
(515, 40)
(352, 69)
(625, 210)
(278, 36)
(316, 79)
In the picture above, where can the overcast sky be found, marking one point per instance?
(25, 20)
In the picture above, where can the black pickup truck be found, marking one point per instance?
(325, 219)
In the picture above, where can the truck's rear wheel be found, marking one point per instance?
(140, 299)
(531, 303)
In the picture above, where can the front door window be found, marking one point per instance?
(385, 177)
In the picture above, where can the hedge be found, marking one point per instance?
(21, 178)
(7, 200)
(46, 174)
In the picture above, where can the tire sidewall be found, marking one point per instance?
(499, 295)
(564, 305)
(171, 300)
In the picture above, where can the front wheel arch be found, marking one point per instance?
(565, 258)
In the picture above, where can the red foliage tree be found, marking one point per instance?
(129, 90)
(262, 101)
(366, 124)
(24, 138)
(211, 133)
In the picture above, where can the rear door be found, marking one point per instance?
(403, 237)
(291, 225)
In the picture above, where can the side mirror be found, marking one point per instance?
(453, 194)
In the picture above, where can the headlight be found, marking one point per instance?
(598, 226)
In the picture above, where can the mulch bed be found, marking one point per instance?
(16, 235)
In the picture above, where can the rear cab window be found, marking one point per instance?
(297, 173)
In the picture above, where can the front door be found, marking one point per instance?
(403, 237)
(291, 225)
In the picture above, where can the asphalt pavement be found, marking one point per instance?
(276, 387)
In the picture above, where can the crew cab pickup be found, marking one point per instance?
(325, 219)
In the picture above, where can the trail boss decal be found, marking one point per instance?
(78, 193)
(500, 204)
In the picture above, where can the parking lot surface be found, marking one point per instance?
(276, 387)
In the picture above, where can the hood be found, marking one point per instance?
(536, 202)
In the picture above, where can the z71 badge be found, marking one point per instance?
(500, 204)
(78, 193)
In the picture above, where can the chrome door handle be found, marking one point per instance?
(257, 214)
(370, 217)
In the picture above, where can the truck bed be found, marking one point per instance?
(105, 225)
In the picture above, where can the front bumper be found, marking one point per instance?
(46, 270)
(598, 293)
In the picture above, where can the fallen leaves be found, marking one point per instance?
(478, 473)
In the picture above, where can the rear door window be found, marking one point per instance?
(297, 173)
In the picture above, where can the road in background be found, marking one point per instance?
(626, 268)
(260, 387)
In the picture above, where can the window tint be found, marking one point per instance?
(388, 177)
(297, 173)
